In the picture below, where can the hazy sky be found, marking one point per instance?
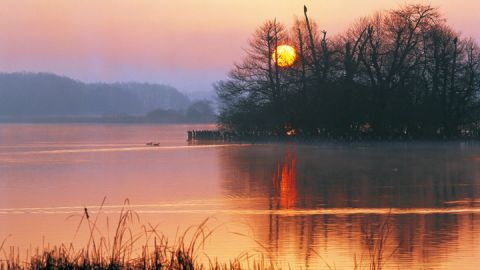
(186, 43)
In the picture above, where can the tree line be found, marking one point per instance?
(401, 73)
(44, 97)
(25, 94)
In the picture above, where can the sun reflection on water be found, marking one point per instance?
(285, 180)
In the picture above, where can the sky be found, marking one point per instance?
(188, 44)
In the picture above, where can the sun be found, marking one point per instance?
(286, 55)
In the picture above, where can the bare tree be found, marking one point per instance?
(397, 73)
(256, 81)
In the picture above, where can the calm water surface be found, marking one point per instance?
(302, 204)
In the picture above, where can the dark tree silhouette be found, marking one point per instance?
(251, 100)
(401, 73)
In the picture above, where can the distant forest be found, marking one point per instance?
(44, 97)
(401, 73)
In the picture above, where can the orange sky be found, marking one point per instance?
(186, 43)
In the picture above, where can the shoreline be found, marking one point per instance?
(229, 136)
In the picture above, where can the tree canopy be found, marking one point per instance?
(402, 73)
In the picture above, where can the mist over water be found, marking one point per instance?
(301, 203)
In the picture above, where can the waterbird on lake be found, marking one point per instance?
(153, 144)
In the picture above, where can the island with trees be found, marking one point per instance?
(397, 74)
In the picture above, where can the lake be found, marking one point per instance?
(303, 205)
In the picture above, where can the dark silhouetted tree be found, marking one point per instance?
(401, 73)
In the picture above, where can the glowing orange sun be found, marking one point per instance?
(286, 56)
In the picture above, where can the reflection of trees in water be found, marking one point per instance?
(419, 176)
(335, 177)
